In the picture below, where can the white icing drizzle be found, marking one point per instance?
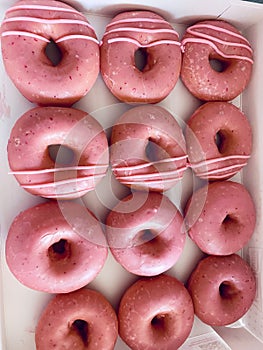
(152, 182)
(141, 30)
(54, 170)
(136, 42)
(219, 159)
(136, 20)
(41, 7)
(77, 36)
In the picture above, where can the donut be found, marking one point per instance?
(148, 149)
(220, 217)
(32, 28)
(150, 37)
(218, 140)
(55, 247)
(80, 163)
(83, 319)
(145, 233)
(222, 289)
(155, 313)
(215, 41)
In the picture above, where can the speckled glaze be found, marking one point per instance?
(145, 233)
(27, 28)
(156, 313)
(57, 326)
(200, 44)
(208, 159)
(30, 160)
(130, 137)
(128, 32)
(222, 289)
(221, 217)
(33, 233)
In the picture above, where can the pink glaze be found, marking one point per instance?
(156, 313)
(215, 39)
(222, 289)
(27, 29)
(128, 152)
(31, 163)
(218, 160)
(81, 320)
(125, 34)
(221, 217)
(55, 247)
(145, 233)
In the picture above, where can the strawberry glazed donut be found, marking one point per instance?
(80, 162)
(145, 233)
(218, 140)
(32, 32)
(146, 35)
(79, 320)
(217, 44)
(148, 150)
(156, 313)
(222, 289)
(221, 217)
(55, 248)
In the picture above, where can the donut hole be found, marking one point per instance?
(61, 154)
(227, 290)
(53, 53)
(230, 223)
(141, 59)
(218, 65)
(221, 140)
(60, 250)
(80, 327)
(146, 235)
(154, 152)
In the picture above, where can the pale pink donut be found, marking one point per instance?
(133, 132)
(221, 217)
(79, 320)
(219, 40)
(156, 313)
(30, 160)
(28, 27)
(145, 233)
(55, 248)
(222, 289)
(140, 30)
(218, 140)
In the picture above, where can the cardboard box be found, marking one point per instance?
(20, 306)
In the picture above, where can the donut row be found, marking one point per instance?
(140, 56)
(147, 151)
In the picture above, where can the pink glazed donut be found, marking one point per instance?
(221, 217)
(219, 140)
(55, 247)
(219, 41)
(148, 149)
(79, 137)
(222, 289)
(27, 30)
(145, 233)
(79, 320)
(156, 313)
(156, 40)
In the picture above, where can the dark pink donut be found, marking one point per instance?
(51, 247)
(221, 217)
(145, 233)
(149, 32)
(156, 313)
(83, 319)
(222, 289)
(218, 140)
(28, 27)
(218, 40)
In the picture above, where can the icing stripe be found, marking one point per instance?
(77, 36)
(136, 42)
(27, 34)
(151, 181)
(217, 160)
(141, 30)
(221, 170)
(42, 7)
(54, 170)
(67, 194)
(136, 20)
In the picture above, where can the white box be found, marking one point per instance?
(20, 306)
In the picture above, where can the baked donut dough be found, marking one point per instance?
(222, 289)
(148, 150)
(79, 320)
(221, 217)
(218, 140)
(80, 163)
(55, 247)
(215, 40)
(29, 27)
(155, 313)
(156, 40)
